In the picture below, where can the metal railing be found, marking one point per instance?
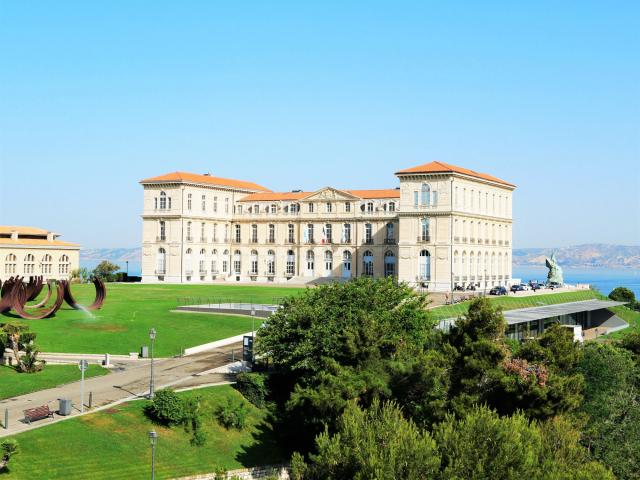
(423, 238)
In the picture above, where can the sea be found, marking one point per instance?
(603, 279)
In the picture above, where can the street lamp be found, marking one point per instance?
(153, 439)
(152, 336)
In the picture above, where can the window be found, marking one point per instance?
(369, 207)
(225, 261)
(163, 231)
(226, 232)
(226, 205)
(189, 238)
(272, 233)
(415, 198)
(367, 263)
(63, 264)
(256, 209)
(46, 264)
(215, 233)
(424, 230)
(188, 201)
(214, 262)
(368, 233)
(455, 263)
(10, 264)
(291, 263)
(329, 207)
(328, 262)
(201, 262)
(291, 234)
(155, 203)
(310, 261)
(434, 197)
(271, 262)
(204, 203)
(308, 233)
(254, 233)
(163, 200)
(237, 233)
(389, 264)
(202, 229)
(392, 207)
(390, 233)
(274, 208)
(346, 233)
(215, 204)
(188, 266)
(169, 204)
(347, 207)
(327, 233)
(424, 265)
(161, 262)
(254, 262)
(239, 209)
(311, 208)
(425, 193)
(236, 262)
(346, 264)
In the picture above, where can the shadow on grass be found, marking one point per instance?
(264, 450)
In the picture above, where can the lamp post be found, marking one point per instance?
(82, 365)
(152, 336)
(153, 439)
(253, 334)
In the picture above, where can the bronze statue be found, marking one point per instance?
(555, 271)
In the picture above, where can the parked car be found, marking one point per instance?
(524, 286)
(498, 291)
(517, 288)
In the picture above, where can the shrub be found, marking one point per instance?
(622, 294)
(166, 407)
(253, 387)
(233, 414)
(8, 448)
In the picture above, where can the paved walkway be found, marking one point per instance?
(126, 383)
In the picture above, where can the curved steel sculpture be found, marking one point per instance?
(101, 294)
(44, 301)
(33, 288)
(20, 295)
(6, 301)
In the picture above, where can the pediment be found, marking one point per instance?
(329, 194)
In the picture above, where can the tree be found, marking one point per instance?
(623, 294)
(19, 339)
(105, 270)
(376, 443)
(8, 448)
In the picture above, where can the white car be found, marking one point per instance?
(525, 287)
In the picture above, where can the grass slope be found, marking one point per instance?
(130, 310)
(113, 444)
(13, 383)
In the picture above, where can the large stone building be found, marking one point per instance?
(29, 251)
(444, 226)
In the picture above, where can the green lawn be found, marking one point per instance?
(113, 444)
(130, 310)
(511, 302)
(13, 383)
(630, 316)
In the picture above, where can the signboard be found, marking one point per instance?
(83, 365)
(247, 348)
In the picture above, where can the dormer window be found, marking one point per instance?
(310, 208)
(329, 207)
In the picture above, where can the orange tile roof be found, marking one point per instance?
(275, 196)
(206, 179)
(441, 167)
(386, 193)
(37, 241)
(8, 229)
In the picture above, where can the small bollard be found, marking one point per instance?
(233, 355)
(90, 399)
(6, 419)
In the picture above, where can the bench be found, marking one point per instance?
(37, 413)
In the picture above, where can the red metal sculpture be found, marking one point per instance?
(101, 294)
(20, 296)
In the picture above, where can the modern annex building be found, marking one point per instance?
(29, 251)
(443, 226)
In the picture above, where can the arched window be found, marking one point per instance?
(63, 264)
(479, 265)
(456, 260)
(161, 262)
(346, 264)
(493, 266)
(188, 265)
(237, 265)
(392, 206)
(214, 262)
(29, 263)
(291, 263)
(425, 266)
(163, 200)
(389, 264)
(271, 262)
(225, 261)
(367, 263)
(463, 265)
(499, 265)
(425, 234)
(472, 266)
(425, 195)
(10, 263)
(505, 269)
(487, 267)
(310, 262)
(328, 262)
(202, 268)
(46, 264)
(254, 262)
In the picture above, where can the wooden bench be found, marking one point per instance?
(37, 413)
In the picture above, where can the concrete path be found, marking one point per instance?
(126, 383)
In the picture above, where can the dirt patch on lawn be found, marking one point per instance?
(102, 327)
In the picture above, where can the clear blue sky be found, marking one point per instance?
(95, 96)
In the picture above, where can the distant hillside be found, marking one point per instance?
(589, 255)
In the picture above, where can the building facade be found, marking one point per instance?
(444, 226)
(29, 251)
